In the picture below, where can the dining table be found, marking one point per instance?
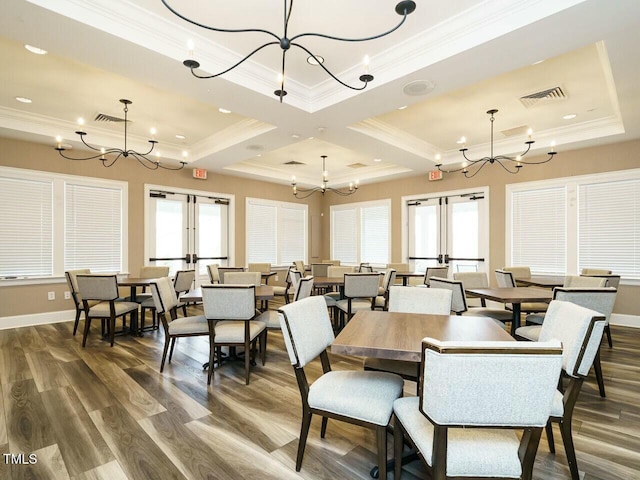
(544, 281)
(516, 296)
(133, 283)
(264, 293)
(405, 276)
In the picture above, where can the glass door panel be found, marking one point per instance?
(211, 236)
(170, 233)
(424, 238)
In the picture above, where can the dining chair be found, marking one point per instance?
(600, 300)
(283, 287)
(231, 312)
(150, 271)
(214, 275)
(575, 281)
(473, 280)
(506, 279)
(441, 271)
(72, 283)
(103, 289)
(223, 270)
(595, 271)
(365, 267)
(454, 423)
(334, 271)
(259, 267)
(519, 272)
(335, 263)
(610, 281)
(272, 317)
(182, 283)
(320, 269)
(382, 299)
(353, 396)
(166, 302)
(299, 266)
(242, 278)
(360, 292)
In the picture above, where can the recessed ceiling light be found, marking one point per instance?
(403, 107)
(538, 62)
(569, 116)
(295, 135)
(377, 159)
(315, 61)
(180, 137)
(36, 50)
(23, 99)
(461, 141)
(224, 110)
(418, 87)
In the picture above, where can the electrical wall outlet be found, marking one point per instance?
(51, 296)
(67, 295)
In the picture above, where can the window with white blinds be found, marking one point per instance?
(93, 228)
(538, 237)
(26, 235)
(360, 232)
(609, 227)
(52, 223)
(567, 224)
(276, 231)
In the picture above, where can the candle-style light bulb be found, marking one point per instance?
(553, 146)
(59, 141)
(102, 152)
(529, 133)
(351, 186)
(80, 121)
(293, 180)
(153, 132)
(191, 47)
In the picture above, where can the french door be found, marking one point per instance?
(187, 231)
(448, 229)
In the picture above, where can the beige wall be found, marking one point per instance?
(20, 300)
(607, 158)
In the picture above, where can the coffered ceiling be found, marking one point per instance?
(435, 78)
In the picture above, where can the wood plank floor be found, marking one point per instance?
(107, 413)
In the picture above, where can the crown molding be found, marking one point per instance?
(391, 135)
(234, 134)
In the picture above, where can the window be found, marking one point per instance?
(276, 232)
(360, 232)
(567, 224)
(52, 223)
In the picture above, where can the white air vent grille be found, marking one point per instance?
(356, 165)
(103, 117)
(294, 162)
(543, 97)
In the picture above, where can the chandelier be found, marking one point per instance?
(109, 156)
(307, 192)
(510, 164)
(285, 42)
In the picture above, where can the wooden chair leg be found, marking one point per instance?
(304, 432)
(87, 325)
(381, 440)
(398, 448)
(247, 358)
(212, 352)
(173, 344)
(607, 330)
(263, 346)
(549, 429)
(597, 367)
(75, 324)
(323, 428)
(112, 326)
(567, 439)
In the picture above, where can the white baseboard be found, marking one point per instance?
(624, 320)
(36, 319)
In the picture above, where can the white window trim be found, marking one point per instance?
(571, 184)
(277, 204)
(359, 205)
(231, 225)
(58, 180)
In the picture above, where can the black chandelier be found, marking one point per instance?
(109, 156)
(307, 192)
(510, 164)
(403, 8)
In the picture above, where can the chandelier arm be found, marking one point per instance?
(540, 162)
(153, 145)
(466, 174)
(235, 65)
(93, 157)
(182, 165)
(506, 168)
(342, 39)
(308, 192)
(216, 29)
(112, 162)
(145, 162)
(86, 144)
(340, 192)
(287, 16)
(329, 72)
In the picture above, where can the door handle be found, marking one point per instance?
(187, 258)
(194, 258)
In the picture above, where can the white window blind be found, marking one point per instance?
(609, 227)
(375, 243)
(293, 241)
(26, 235)
(538, 229)
(262, 230)
(93, 228)
(344, 239)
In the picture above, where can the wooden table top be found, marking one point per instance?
(513, 295)
(548, 281)
(327, 281)
(263, 292)
(409, 274)
(136, 282)
(398, 336)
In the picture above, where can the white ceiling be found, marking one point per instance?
(476, 55)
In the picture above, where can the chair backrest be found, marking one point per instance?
(97, 287)
(229, 302)
(463, 382)
(388, 279)
(184, 280)
(164, 295)
(332, 262)
(299, 264)
(361, 285)
(472, 279)
(223, 270)
(294, 278)
(442, 272)
(600, 300)
(505, 279)
(305, 288)
(152, 271)
(580, 331)
(242, 278)
(319, 269)
(306, 329)
(72, 282)
(399, 267)
(338, 271)
(259, 267)
(435, 301)
(519, 272)
(458, 298)
(214, 275)
(610, 280)
(580, 281)
(365, 268)
(595, 271)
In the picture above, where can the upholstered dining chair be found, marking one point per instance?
(519, 272)
(182, 283)
(382, 300)
(72, 283)
(600, 300)
(360, 292)
(595, 271)
(166, 302)
(150, 271)
(335, 271)
(299, 266)
(473, 280)
(214, 275)
(575, 281)
(332, 262)
(259, 267)
(580, 331)
(231, 312)
(357, 397)
(272, 317)
(104, 290)
(242, 278)
(442, 271)
(283, 288)
(222, 271)
(506, 279)
(454, 423)
(320, 269)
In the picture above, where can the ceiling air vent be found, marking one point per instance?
(356, 165)
(294, 162)
(543, 97)
(103, 117)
